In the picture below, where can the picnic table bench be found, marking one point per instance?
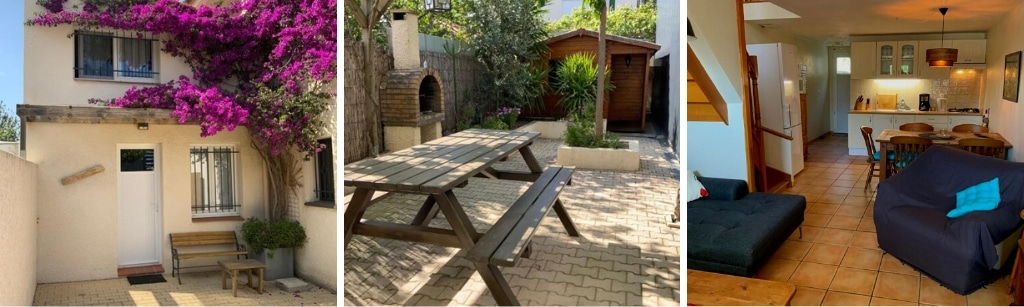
(434, 169)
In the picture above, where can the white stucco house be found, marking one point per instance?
(158, 176)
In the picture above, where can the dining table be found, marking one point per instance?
(885, 138)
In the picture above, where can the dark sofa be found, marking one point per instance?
(734, 232)
(964, 253)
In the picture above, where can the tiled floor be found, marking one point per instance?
(837, 261)
(626, 255)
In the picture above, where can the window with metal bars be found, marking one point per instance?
(214, 179)
(325, 172)
(105, 56)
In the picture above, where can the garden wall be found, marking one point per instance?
(458, 77)
(18, 212)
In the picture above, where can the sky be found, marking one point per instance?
(12, 22)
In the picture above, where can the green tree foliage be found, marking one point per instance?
(9, 126)
(625, 21)
(508, 39)
(577, 83)
(448, 24)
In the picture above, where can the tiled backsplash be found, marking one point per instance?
(963, 90)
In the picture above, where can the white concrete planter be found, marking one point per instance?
(280, 263)
(547, 129)
(602, 158)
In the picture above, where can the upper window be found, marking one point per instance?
(104, 56)
(214, 181)
(325, 172)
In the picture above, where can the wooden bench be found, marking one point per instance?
(206, 238)
(509, 238)
(713, 289)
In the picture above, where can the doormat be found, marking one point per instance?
(146, 279)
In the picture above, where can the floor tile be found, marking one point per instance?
(865, 239)
(832, 198)
(851, 211)
(893, 265)
(897, 287)
(867, 224)
(934, 294)
(806, 233)
(793, 250)
(813, 275)
(844, 184)
(854, 200)
(833, 298)
(839, 190)
(823, 208)
(825, 254)
(835, 236)
(807, 297)
(815, 219)
(860, 258)
(878, 301)
(852, 280)
(844, 222)
(777, 269)
(989, 296)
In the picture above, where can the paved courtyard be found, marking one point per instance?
(626, 255)
(198, 289)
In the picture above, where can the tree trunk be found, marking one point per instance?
(282, 177)
(599, 111)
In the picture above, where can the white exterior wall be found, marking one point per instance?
(78, 224)
(50, 59)
(716, 149)
(318, 261)
(667, 36)
(18, 211)
(1005, 116)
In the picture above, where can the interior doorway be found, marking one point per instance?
(839, 77)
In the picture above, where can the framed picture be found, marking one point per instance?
(1011, 77)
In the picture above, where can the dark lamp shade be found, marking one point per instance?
(940, 57)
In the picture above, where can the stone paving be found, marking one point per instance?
(197, 289)
(626, 255)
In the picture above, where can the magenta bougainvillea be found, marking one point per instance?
(262, 64)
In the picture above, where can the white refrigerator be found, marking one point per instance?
(779, 95)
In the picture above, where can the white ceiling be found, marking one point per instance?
(836, 20)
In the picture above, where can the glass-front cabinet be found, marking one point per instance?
(896, 59)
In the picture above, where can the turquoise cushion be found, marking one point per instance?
(891, 155)
(980, 197)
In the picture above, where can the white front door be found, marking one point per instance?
(138, 214)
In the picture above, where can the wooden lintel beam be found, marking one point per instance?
(96, 115)
(82, 175)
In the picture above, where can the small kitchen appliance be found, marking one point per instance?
(924, 102)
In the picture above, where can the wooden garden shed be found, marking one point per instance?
(629, 60)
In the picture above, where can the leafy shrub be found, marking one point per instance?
(577, 82)
(494, 123)
(280, 234)
(580, 132)
(508, 115)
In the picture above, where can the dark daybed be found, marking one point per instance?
(962, 253)
(734, 232)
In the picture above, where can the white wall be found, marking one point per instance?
(1006, 116)
(11, 147)
(667, 36)
(18, 212)
(78, 226)
(318, 261)
(814, 54)
(716, 149)
(51, 57)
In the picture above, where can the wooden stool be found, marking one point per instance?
(233, 266)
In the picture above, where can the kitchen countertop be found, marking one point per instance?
(912, 112)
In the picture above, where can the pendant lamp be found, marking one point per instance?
(941, 57)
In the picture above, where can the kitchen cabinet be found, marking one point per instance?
(896, 59)
(862, 60)
(970, 50)
(927, 72)
(964, 119)
(940, 122)
(854, 139)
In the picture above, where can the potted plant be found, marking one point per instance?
(273, 243)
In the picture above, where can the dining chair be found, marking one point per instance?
(916, 127)
(970, 128)
(986, 147)
(905, 150)
(873, 156)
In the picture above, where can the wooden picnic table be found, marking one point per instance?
(886, 136)
(437, 167)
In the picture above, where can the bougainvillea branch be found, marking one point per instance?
(259, 64)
